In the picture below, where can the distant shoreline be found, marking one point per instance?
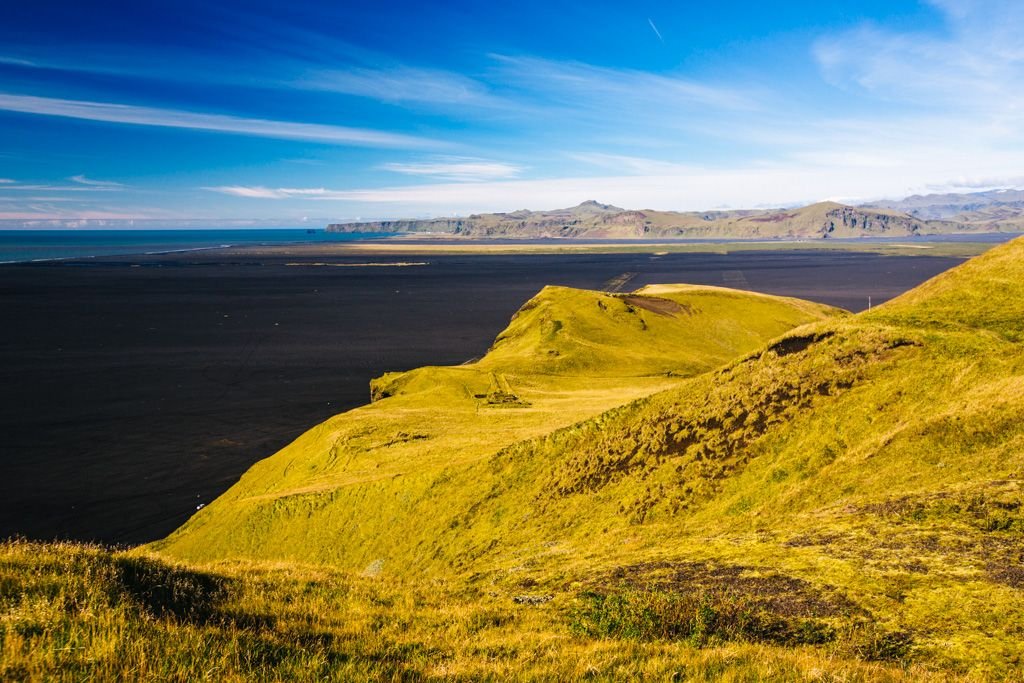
(405, 247)
(20, 248)
(48, 245)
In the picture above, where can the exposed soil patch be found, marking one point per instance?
(797, 344)
(705, 604)
(783, 595)
(810, 540)
(656, 304)
(1008, 573)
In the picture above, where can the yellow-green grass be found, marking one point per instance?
(72, 613)
(876, 459)
(879, 458)
(366, 486)
(609, 499)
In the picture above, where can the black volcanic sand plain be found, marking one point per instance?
(138, 388)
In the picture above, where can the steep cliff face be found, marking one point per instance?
(838, 220)
(593, 220)
(445, 225)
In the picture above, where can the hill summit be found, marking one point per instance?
(566, 356)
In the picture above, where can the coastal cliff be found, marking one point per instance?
(594, 220)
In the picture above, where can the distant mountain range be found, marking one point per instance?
(996, 211)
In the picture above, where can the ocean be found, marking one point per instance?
(19, 246)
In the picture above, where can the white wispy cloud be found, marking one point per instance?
(965, 183)
(394, 83)
(65, 208)
(173, 118)
(5, 181)
(949, 103)
(82, 180)
(632, 164)
(637, 182)
(907, 111)
(456, 168)
(583, 85)
(976, 64)
(260, 192)
(696, 190)
(505, 87)
(655, 29)
(14, 186)
(16, 61)
(43, 213)
(400, 84)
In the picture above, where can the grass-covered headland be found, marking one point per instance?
(682, 483)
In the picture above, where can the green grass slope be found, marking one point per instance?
(873, 465)
(840, 501)
(856, 482)
(362, 488)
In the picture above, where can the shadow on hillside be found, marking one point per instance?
(166, 592)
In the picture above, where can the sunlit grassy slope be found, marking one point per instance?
(374, 485)
(875, 460)
(706, 492)
(74, 613)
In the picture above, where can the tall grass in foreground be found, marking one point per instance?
(71, 612)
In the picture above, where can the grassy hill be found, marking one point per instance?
(593, 220)
(342, 492)
(735, 498)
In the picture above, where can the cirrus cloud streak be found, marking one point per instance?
(108, 112)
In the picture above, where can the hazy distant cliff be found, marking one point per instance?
(993, 210)
(591, 219)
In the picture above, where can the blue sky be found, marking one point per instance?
(305, 112)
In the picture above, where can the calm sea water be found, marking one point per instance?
(46, 245)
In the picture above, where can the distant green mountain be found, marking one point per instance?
(593, 220)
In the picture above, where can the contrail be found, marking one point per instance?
(655, 29)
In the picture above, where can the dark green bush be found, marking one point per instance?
(699, 618)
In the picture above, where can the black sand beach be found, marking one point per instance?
(135, 389)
